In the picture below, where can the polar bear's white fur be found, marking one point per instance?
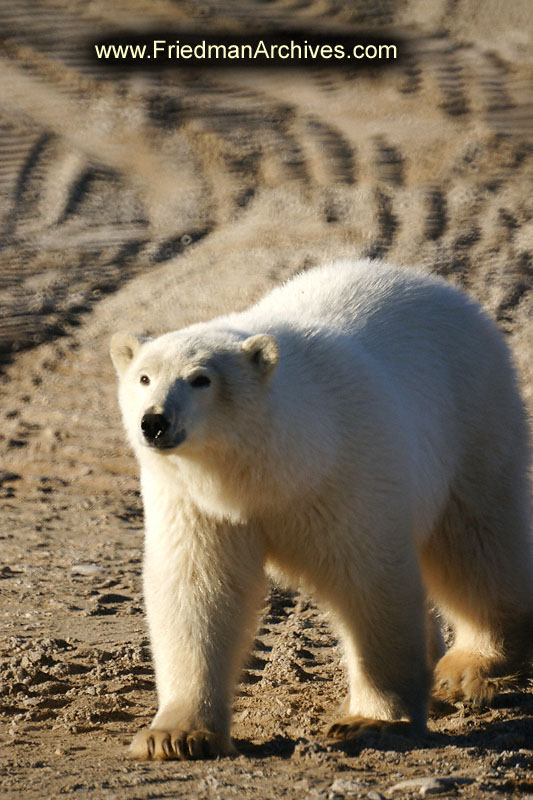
(360, 431)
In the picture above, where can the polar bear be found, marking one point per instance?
(359, 431)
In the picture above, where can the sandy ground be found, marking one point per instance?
(147, 200)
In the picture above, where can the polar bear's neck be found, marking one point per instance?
(286, 457)
(225, 485)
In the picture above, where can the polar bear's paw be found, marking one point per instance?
(462, 675)
(354, 726)
(151, 744)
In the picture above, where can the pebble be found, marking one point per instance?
(345, 787)
(86, 569)
(431, 785)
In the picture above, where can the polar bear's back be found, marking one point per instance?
(353, 296)
(430, 347)
(397, 315)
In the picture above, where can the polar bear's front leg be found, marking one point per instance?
(381, 622)
(203, 584)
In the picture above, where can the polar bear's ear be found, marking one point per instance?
(263, 352)
(124, 346)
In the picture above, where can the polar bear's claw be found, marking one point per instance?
(351, 727)
(158, 745)
(461, 675)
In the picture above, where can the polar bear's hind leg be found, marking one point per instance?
(477, 566)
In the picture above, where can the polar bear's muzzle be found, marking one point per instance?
(157, 432)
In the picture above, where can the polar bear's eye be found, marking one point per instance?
(199, 381)
(144, 379)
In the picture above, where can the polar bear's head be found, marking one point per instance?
(188, 389)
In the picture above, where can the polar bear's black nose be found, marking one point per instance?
(154, 426)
